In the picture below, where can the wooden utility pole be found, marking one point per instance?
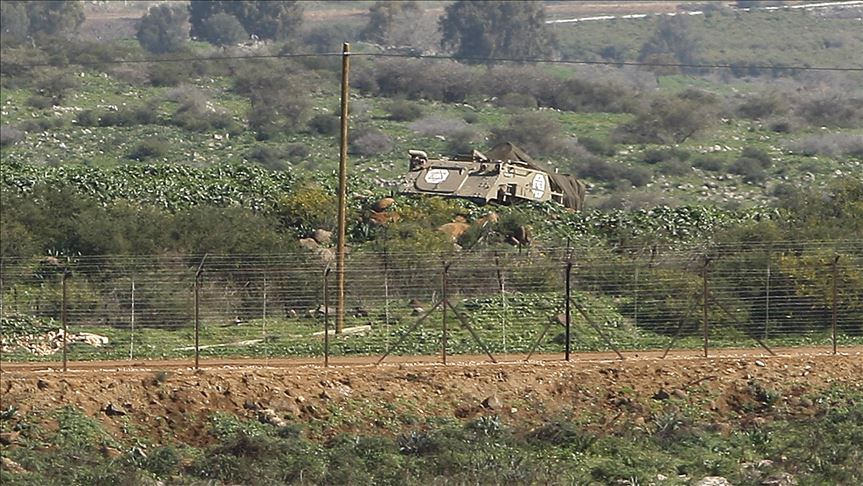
(343, 194)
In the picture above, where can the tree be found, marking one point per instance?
(224, 29)
(15, 23)
(163, 29)
(495, 29)
(39, 20)
(667, 120)
(671, 43)
(385, 18)
(54, 18)
(263, 19)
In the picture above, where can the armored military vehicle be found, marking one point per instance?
(505, 175)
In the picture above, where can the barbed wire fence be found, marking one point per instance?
(487, 302)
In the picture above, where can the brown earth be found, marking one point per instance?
(353, 395)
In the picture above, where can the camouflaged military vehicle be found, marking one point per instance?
(505, 175)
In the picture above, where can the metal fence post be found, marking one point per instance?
(197, 322)
(64, 316)
(386, 300)
(445, 302)
(197, 312)
(767, 300)
(835, 271)
(704, 304)
(635, 295)
(132, 323)
(326, 316)
(568, 275)
(501, 284)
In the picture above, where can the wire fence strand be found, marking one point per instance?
(505, 300)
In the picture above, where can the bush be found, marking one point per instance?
(129, 116)
(674, 167)
(835, 111)
(751, 170)
(87, 118)
(762, 157)
(41, 124)
(599, 169)
(831, 145)
(712, 163)
(667, 120)
(297, 150)
(10, 136)
(597, 146)
(403, 111)
(762, 106)
(325, 124)
(163, 74)
(462, 141)
(536, 133)
(39, 102)
(781, 125)
(438, 125)
(638, 176)
(370, 141)
(149, 148)
(271, 157)
(470, 117)
(53, 83)
(516, 100)
(654, 156)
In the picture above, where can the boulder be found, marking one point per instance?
(383, 204)
(489, 218)
(492, 403)
(322, 237)
(309, 244)
(454, 230)
(382, 218)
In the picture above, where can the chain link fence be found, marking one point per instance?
(486, 302)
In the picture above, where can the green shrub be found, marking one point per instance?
(401, 110)
(325, 124)
(654, 156)
(39, 102)
(10, 136)
(271, 157)
(129, 116)
(597, 146)
(462, 141)
(712, 163)
(87, 118)
(751, 170)
(370, 141)
(516, 101)
(674, 167)
(42, 124)
(833, 111)
(759, 155)
(762, 106)
(150, 148)
(169, 73)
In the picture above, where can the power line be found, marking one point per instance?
(486, 60)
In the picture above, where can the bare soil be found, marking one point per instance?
(353, 395)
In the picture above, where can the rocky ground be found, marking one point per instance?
(172, 404)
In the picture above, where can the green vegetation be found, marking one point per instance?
(237, 156)
(676, 443)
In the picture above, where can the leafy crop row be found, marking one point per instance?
(171, 187)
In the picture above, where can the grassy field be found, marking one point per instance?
(70, 143)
